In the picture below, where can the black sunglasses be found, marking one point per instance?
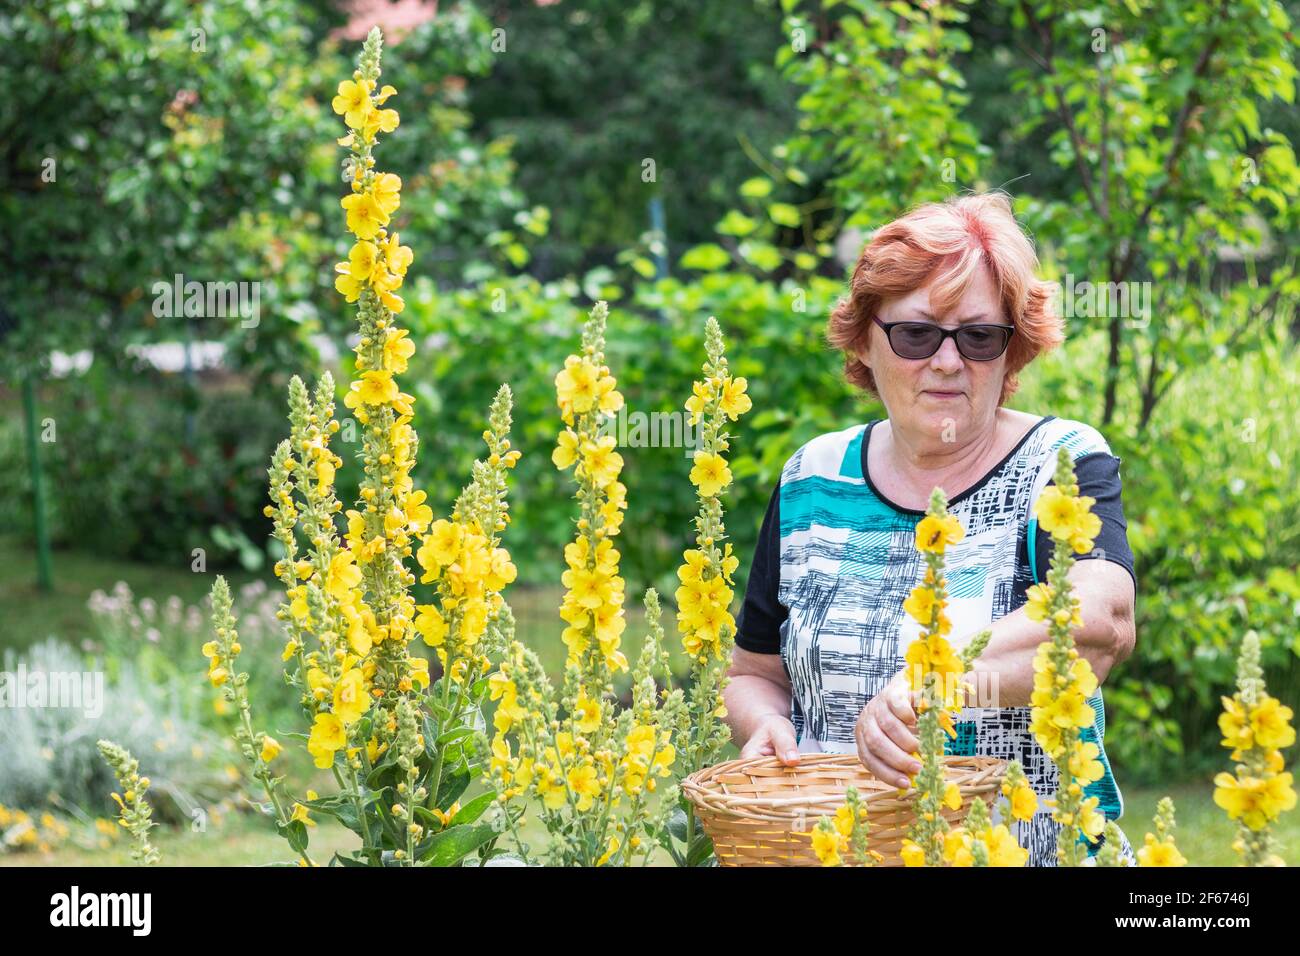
(920, 340)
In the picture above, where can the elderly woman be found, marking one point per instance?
(944, 310)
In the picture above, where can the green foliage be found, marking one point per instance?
(590, 91)
(655, 338)
(150, 471)
(1211, 500)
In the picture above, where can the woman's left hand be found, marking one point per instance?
(885, 734)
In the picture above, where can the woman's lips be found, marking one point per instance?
(942, 394)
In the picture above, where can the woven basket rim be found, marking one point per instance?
(973, 775)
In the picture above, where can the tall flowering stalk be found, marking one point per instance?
(401, 752)
(841, 840)
(704, 618)
(1158, 848)
(1256, 727)
(1063, 680)
(934, 672)
(134, 811)
(590, 764)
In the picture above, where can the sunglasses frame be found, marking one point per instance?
(946, 334)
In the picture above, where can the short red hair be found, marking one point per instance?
(945, 243)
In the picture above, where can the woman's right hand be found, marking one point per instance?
(773, 737)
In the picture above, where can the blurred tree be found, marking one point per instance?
(591, 90)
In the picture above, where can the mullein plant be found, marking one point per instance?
(1158, 849)
(841, 840)
(134, 813)
(590, 766)
(704, 619)
(1064, 680)
(400, 752)
(1256, 727)
(934, 671)
(981, 842)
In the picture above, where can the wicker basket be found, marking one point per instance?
(760, 813)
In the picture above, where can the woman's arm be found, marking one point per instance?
(1003, 676)
(758, 706)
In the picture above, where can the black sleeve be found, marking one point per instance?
(758, 626)
(1098, 478)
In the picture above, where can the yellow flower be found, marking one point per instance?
(566, 452)
(300, 815)
(697, 403)
(1068, 518)
(1003, 848)
(1252, 800)
(386, 191)
(614, 844)
(1235, 725)
(912, 854)
(375, 387)
(1159, 853)
(935, 534)
(441, 547)
(575, 385)
(1270, 722)
(397, 256)
(365, 215)
(920, 605)
(734, 402)
(601, 461)
(710, 473)
(398, 348)
(1039, 596)
(584, 784)
(827, 844)
(343, 575)
(587, 716)
(952, 797)
(1090, 821)
(379, 121)
(1084, 765)
(1024, 802)
(350, 697)
(352, 102)
(327, 736)
(270, 749)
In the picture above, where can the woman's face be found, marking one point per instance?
(944, 396)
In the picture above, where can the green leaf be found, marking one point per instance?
(452, 845)
(295, 831)
(474, 809)
(701, 850)
(757, 188)
(452, 786)
(784, 214)
(736, 223)
(761, 255)
(677, 825)
(707, 257)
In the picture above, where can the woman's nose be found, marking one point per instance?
(947, 359)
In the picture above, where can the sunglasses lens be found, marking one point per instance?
(915, 340)
(982, 344)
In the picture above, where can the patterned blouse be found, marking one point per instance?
(836, 559)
